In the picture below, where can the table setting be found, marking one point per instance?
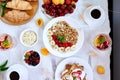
(54, 40)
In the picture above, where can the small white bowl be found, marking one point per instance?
(23, 34)
(21, 70)
(30, 66)
(92, 22)
(103, 50)
(11, 40)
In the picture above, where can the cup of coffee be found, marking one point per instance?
(94, 16)
(17, 72)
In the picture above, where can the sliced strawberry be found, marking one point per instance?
(65, 45)
(54, 37)
(60, 45)
(69, 44)
(79, 72)
(56, 41)
(75, 74)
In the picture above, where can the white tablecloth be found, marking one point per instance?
(46, 68)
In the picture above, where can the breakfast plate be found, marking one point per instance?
(77, 37)
(73, 60)
(21, 14)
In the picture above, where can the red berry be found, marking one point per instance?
(60, 45)
(69, 44)
(56, 41)
(74, 6)
(63, 7)
(37, 61)
(68, 1)
(54, 37)
(59, 10)
(47, 11)
(65, 45)
(27, 61)
(71, 11)
(75, 0)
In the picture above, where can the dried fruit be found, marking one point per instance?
(100, 69)
(40, 22)
(44, 51)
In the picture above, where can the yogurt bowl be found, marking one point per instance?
(29, 37)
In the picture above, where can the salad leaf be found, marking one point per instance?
(101, 40)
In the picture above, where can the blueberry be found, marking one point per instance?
(34, 63)
(36, 54)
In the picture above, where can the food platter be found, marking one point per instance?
(31, 14)
(72, 60)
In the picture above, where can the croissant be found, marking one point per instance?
(16, 16)
(19, 5)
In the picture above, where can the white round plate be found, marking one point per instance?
(73, 23)
(60, 68)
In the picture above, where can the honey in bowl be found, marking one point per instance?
(14, 76)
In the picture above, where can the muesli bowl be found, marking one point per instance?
(63, 37)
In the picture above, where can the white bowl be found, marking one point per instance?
(73, 23)
(11, 40)
(21, 70)
(103, 50)
(30, 66)
(26, 31)
(92, 22)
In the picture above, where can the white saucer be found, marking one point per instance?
(21, 70)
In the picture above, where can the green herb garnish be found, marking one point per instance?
(101, 40)
(61, 38)
(5, 43)
(3, 66)
(74, 78)
(3, 8)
